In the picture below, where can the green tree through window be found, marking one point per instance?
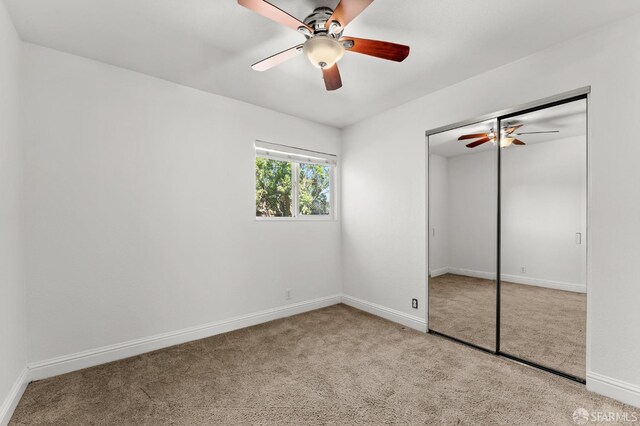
(314, 195)
(273, 188)
(278, 194)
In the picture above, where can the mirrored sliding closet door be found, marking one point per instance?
(543, 254)
(462, 233)
(507, 231)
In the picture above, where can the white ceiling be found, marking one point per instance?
(568, 119)
(210, 45)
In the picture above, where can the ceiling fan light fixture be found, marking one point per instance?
(505, 142)
(323, 51)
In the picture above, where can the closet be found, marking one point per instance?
(507, 222)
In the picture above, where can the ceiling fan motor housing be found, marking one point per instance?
(317, 21)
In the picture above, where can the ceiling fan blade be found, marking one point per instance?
(518, 142)
(509, 130)
(473, 136)
(537, 133)
(347, 10)
(476, 143)
(332, 80)
(379, 49)
(277, 59)
(274, 13)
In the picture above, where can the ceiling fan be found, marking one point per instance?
(507, 136)
(325, 44)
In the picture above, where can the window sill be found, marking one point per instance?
(296, 219)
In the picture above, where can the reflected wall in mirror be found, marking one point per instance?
(543, 237)
(463, 233)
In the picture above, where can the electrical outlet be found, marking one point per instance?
(414, 303)
(523, 269)
(288, 294)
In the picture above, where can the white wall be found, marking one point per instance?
(13, 319)
(384, 192)
(140, 208)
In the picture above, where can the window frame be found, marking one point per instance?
(295, 183)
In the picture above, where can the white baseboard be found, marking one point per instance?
(439, 271)
(539, 282)
(622, 391)
(77, 361)
(411, 321)
(520, 279)
(11, 401)
(614, 388)
(472, 273)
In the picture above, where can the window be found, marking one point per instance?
(293, 183)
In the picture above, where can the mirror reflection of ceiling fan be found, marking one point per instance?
(325, 44)
(507, 137)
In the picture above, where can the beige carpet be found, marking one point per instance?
(538, 324)
(336, 366)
